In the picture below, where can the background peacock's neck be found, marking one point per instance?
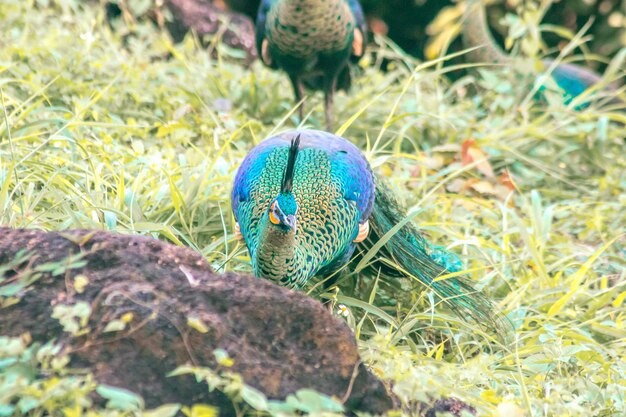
(307, 27)
(476, 33)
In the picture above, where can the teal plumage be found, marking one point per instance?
(333, 194)
(312, 41)
(307, 221)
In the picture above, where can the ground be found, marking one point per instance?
(120, 130)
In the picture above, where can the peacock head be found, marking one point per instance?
(284, 208)
(283, 211)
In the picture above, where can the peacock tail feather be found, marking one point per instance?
(413, 257)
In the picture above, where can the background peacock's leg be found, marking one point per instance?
(330, 85)
(298, 90)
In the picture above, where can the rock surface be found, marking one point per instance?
(450, 406)
(280, 340)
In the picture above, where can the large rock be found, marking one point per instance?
(280, 340)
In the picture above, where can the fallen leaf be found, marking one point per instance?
(483, 187)
(507, 180)
(182, 111)
(503, 193)
(471, 153)
(509, 409)
(434, 162)
(456, 185)
(469, 205)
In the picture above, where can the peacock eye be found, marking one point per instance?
(273, 217)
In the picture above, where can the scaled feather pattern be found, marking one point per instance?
(307, 229)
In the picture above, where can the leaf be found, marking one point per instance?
(443, 29)
(483, 187)
(255, 398)
(6, 410)
(137, 146)
(619, 300)
(201, 410)
(110, 219)
(75, 411)
(72, 317)
(490, 396)
(26, 404)
(507, 180)
(80, 282)
(368, 308)
(168, 128)
(120, 398)
(222, 358)
(114, 326)
(509, 409)
(11, 289)
(197, 324)
(6, 362)
(311, 401)
(471, 152)
(167, 410)
(456, 185)
(440, 351)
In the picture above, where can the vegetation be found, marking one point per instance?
(124, 131)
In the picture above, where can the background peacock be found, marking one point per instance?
(312, 41)
(571, 78)
(304, 200)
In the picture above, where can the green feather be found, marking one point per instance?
(394, 238)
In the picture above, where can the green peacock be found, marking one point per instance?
(313, 41)
(571, 78)
(303, 201)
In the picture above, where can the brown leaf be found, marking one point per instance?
(483, 187)
(507, 180)
(456, 185)
(471, 153)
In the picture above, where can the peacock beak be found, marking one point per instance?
(290, 221)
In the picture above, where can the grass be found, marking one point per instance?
(101, 131)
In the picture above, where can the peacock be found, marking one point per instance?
(304, 200)
(313, 41)
(571, 78)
